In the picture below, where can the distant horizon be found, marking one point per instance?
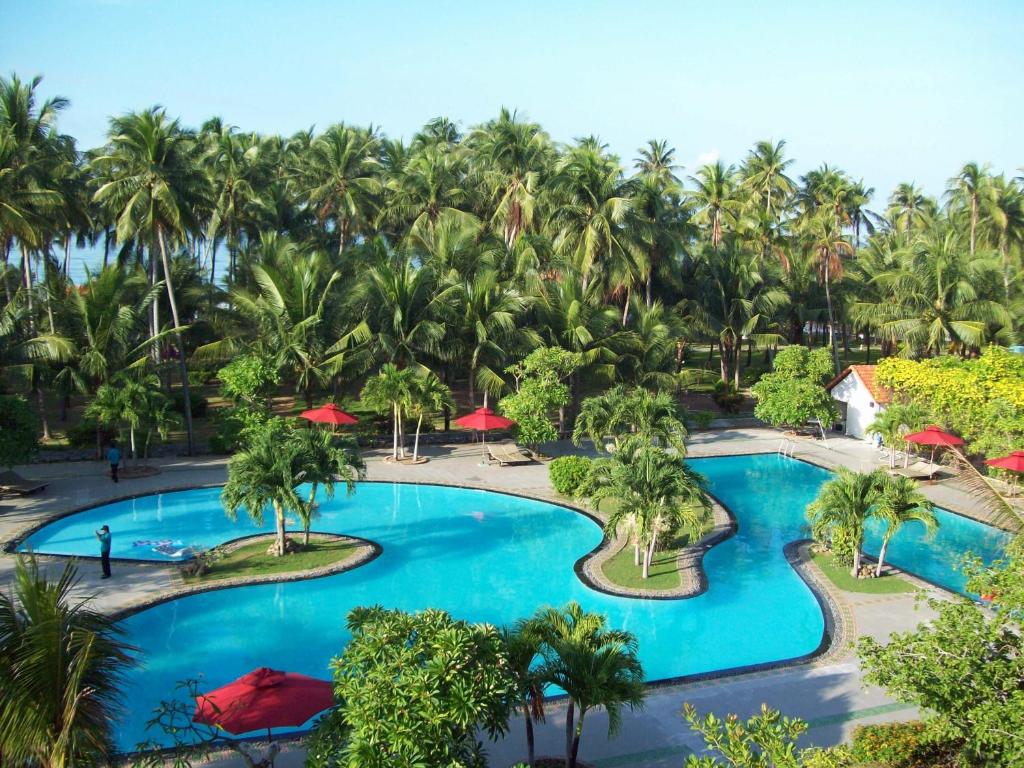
(888, 94)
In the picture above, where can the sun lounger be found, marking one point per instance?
(920, 470)
(505, 454)
(12, 482)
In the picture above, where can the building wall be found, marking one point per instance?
(861, 408)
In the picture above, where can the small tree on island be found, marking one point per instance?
(416, 688)
(539, 392)
(794, 392)
(327, 459)
(266, 474)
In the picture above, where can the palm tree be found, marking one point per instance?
(843, 506)
(906, 203)
(595, 666)
(626, 414)
(428, 395)
(267, 473)
(326, 460)
(893, 423)
(391, 390)
(655, 493)
(62, 671)
(764, 174)
(714, 197)
(899, 503)
(829, 245)
(1006, 218)
(656, 162)
(661, 222)
(523, 647)
(340, 177)
(153, 181)
(971, 188)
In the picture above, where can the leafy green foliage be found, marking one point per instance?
(248, 379)
(20, 428)
(62, 667)
(901, 745)
(622, 413)
(568, 473)
(980, 399)
(539, 391)
(966, 673)
(416, 687)
(794, 392)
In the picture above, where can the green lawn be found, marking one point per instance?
(619, 568)
(253, 560)
(840, 576)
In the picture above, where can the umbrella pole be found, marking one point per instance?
(483, 442)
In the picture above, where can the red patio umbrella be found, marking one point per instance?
(329, 414)
(934, 436)
(484, 419)
(264, 698)
(1013, 462)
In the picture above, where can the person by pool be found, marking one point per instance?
(103, 534)
(114, 457)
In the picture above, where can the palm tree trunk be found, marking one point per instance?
(881, 557)
(831, 317)
(154, 311)
(974, 219)
(279, 523)
(577, 733)
(570, 760)
(625, 308)
(183, 366)
(309, 516)
(416, 442)
(531, 759)
(856, 562)
(394, 431)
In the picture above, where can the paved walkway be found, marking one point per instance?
(829, 695)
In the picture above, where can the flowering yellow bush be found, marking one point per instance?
(980, 399)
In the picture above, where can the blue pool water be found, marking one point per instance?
(484, 557)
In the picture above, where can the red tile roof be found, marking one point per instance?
(866, 373)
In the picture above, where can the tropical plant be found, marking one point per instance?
(415, 688)
(523, 647)
(428, 395)
(325, 461)
(62, 669)
(390, 390)
(267, 473)
(594, 665)
(895, 421)
(794, 393)
(569, 473)
(900, 502)
(20, 428)
(843, 506)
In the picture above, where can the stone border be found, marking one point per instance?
(365, 552)
(689, 561)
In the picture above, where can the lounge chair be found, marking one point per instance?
(12, 482)
(920, 470)
(505, 454)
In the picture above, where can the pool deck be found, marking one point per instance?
(828, 693)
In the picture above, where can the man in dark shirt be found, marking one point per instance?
(114, 457)
(103, 534)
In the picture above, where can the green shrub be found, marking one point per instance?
(83, 434)
(900, 745)
(567, 473)
(325, 744)
(19, 426)
(703, 419)
(232, 424)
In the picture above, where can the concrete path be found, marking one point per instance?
(829, 695)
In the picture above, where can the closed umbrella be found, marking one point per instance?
(1013, 462)
(264, 698)
(485, 420)
(934, 436)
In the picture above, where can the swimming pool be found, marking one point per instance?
(484, 557)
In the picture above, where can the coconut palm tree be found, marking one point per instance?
(842, 508)
(828, 244)
(893, 423)
(715, 200)
(899, 503)
(1006, 219)
(267, 473)
(428, 396)
(152, 180)
(390, 390)
(655, 493)
(905, 203)
(764, 174)
(595, 666)
(339, 176)
(62, 672)
(972, 189)
(523, 648)
(326, 461)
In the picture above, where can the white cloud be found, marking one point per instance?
(705, 158)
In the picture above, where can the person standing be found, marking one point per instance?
(103, 534)
(114, 457)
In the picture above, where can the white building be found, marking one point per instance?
(859, 397)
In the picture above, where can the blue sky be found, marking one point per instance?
(888, 91)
